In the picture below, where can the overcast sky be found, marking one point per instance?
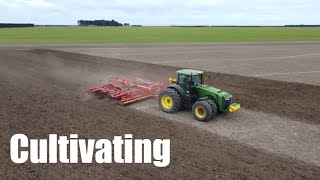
(163, 12)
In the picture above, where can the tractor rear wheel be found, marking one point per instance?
(169, 101)
(204, 110)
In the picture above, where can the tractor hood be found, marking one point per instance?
(215, 91)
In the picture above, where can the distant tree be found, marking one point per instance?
(126, 24)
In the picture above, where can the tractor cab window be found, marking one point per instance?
(197, 79)
(183, 81)
(186, 82)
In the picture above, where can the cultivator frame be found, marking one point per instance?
(128, 91)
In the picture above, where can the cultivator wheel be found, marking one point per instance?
(128, 91)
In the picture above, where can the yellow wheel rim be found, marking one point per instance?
(166, 102)
(200, 112)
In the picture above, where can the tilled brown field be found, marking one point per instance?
(42, 93)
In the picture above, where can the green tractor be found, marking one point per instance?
(189, 91)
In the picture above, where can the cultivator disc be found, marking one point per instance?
(128, 91)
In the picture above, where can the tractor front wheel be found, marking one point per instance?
(204, 110)
(169, 101)
(214, 108)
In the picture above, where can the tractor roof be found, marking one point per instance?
(188, 72)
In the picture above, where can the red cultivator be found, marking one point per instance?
(128, 91)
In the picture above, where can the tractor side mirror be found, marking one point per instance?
(172, 80)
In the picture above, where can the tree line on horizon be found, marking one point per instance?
(15, 25)
(99, 23)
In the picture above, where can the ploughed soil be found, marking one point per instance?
(42, 93)
(286, 99)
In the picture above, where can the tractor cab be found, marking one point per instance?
(188, 80)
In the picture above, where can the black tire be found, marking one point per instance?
(202, 110)
(214, 108)
(175, 99)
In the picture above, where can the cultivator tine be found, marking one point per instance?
(126, 102)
